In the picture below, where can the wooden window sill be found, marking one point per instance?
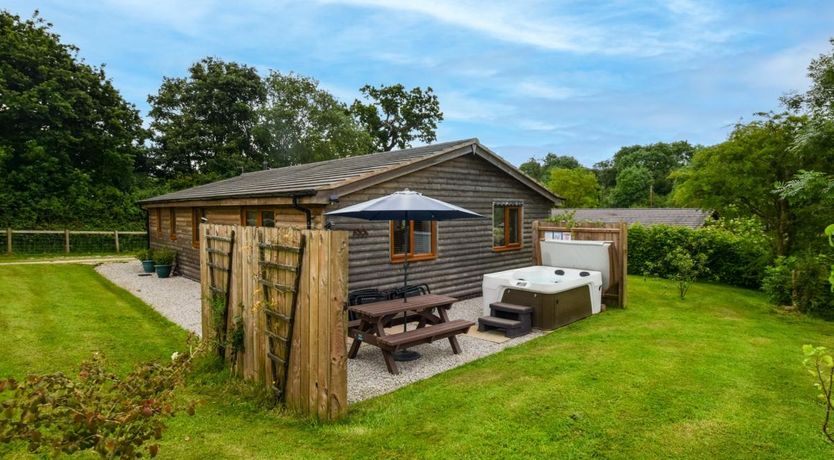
(417, 258)
(507, 248)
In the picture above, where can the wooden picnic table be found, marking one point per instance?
(431, 326)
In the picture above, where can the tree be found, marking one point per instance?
(579, 187)
(659, 159)
(68, 140)
(301, 123)
(533, 168)
(540, 169)
(395, 117)
(204, 124)
(737, 177)
(632, 189)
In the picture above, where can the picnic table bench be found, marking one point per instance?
(374, 317)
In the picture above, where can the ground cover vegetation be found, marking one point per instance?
(651, 381)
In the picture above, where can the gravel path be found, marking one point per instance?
(368, 376)
(176, 298)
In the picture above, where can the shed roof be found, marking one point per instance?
(343, 175)
(681, 217)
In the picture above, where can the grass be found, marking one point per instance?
(716, 375)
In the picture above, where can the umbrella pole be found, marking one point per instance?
(406, 355)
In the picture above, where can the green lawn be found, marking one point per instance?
(717, 375)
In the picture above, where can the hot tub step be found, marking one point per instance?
(511, 327)
(510, 308)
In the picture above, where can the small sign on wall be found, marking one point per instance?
(557, 236)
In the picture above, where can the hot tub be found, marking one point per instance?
(568, 288)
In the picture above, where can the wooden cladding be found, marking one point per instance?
(172, 223)
(422, 240)
(158, 215)
(197, 216)
(507, 224)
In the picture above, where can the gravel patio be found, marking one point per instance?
(178, 299)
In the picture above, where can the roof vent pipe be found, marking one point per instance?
(307, 212)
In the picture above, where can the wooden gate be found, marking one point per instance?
(616, 295)
(270, 273)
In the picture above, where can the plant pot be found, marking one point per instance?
(148, 266)
(163, 271)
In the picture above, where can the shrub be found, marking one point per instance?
(813, 293)
(820, 364)
(685, 268)
(164, 256)
(113, 416)
(778, 281)
(731, 257)
(145, 254)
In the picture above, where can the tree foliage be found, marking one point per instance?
(820, 364)
(738, 176)
(395, 117)
(204, 124)
(69, 142)
(579, 186)
(632, 188)
(302, 123)
(540, 169)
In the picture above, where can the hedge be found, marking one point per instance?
(732, 258)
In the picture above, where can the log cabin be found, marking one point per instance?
(451, 257)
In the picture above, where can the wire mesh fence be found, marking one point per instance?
(24, 242)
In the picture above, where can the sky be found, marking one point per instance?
(525, 77)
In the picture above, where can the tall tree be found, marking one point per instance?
(737, 177)
(302, 123)
(578, 186)
(540, 169)
(68, 140)
(633, 187)
(659, 159)
(204, 124)
(395, 117)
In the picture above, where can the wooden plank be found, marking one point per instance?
(66, 241)
(338, 258)
(219, 238)
(323, 331)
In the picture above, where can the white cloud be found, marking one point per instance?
(530, 24)
(539, 89)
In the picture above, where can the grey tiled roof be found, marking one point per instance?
(682, 217)
(308, 178)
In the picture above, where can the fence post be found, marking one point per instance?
(116, 238)
(66, 241)
(8, 240)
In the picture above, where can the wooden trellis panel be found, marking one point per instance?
(317, 372)
(616, 295)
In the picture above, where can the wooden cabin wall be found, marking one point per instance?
(188, 257)
(464, 251)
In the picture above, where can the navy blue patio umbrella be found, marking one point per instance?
(405, 206)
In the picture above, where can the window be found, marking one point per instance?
(506, 226)
(158, 214)
(172, 218)
(197, 215)
(422, 243)
(257, 217)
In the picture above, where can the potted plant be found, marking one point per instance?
(146, 257)
(164, 259)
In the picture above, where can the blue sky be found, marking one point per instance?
(526, 77)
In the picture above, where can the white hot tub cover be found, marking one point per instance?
(583, 255)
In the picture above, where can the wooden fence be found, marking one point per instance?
(616, 295)
(316, 380)
(66, 235)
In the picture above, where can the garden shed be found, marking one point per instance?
(450, 256)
